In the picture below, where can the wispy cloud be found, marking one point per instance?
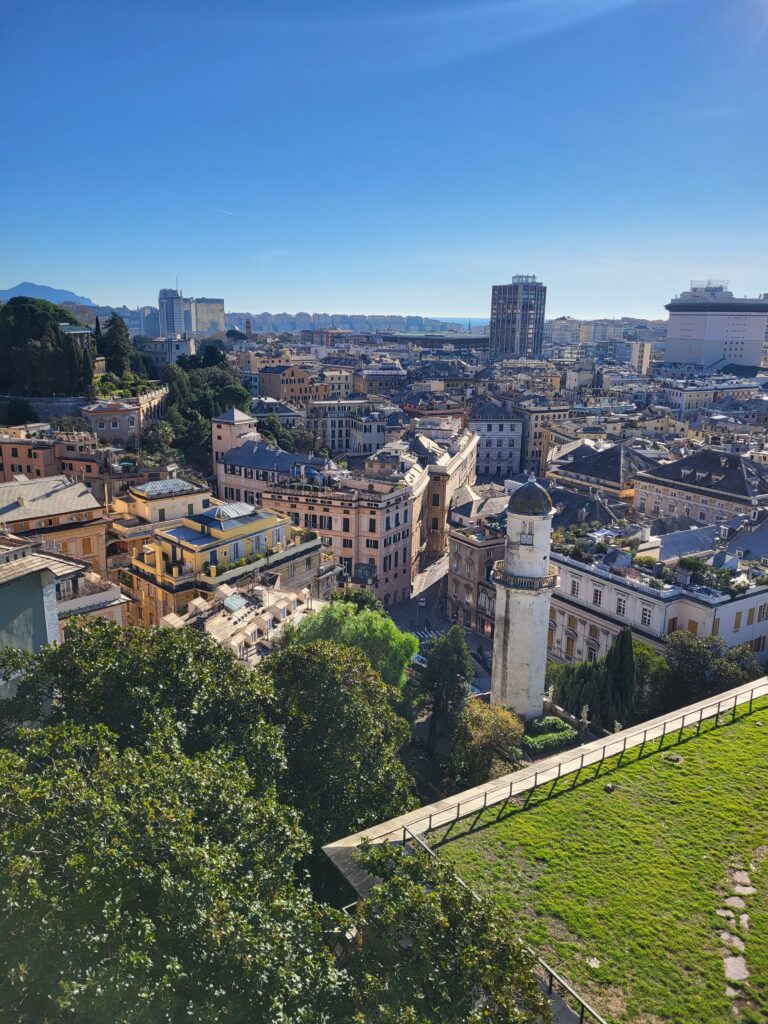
(450, 30)
(205, 206)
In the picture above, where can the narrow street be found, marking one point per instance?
(429, 620)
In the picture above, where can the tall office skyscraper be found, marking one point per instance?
(517, 318)
(171, 312)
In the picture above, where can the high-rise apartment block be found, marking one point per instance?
(517, 318)
(711, 328)
(171, 307)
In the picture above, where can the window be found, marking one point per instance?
(646, 616)
(569, 648)
(758, 644)
(346, 543)
(162, 515)
(693, 627)
(737, 622)
(372, 525)
(345, 527)
(750, 616)
(371, 543)
(435, 500)
(575, 587)
(434, 525)
(621, 606)
(597, 597)
(115, 425)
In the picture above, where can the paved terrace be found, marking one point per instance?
(422, 821)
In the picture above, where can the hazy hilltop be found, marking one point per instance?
(43, 291)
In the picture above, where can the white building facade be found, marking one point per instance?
(709, 327)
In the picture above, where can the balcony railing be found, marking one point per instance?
(548, 582)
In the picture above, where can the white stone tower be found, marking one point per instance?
(524, 584)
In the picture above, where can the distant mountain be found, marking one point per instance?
(42, 291)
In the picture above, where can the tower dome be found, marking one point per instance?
(530, 500)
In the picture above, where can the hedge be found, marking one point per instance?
(540, 726)
(549, 743)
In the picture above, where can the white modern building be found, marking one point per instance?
(524, 583)
(711, 328)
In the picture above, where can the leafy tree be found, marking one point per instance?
(650, 681)
(134, 681)
(703, 666)
(360, 599)
(158, 439)
(272, 430)
(212, 356)
(19, 411)
(484, 733)
(117, 346)
(373, 632)
(144, 886)
(305, 440)
(447, 679)
(433, 953)
(341, 736)
(35, 357)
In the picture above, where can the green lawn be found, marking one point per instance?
(620, 891)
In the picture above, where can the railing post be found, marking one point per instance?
(582, 762)
(751, 695)
(485, 798)
(701, 716)
(535, 780)
(458, 810)
(733, 715)
(430, 822)
(717, 716)
(511, 784)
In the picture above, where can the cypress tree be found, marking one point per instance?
(87, 373)
(620, 668)
(98, 338)
(117, 346)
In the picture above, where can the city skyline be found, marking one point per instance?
(376, 162)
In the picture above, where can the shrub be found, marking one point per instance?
(541, 726)
(485, 733)
(549, 743)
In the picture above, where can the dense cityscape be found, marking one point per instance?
(541, 537)
(384, 512)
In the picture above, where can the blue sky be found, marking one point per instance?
(385, 157)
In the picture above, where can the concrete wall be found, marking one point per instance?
(47, 406)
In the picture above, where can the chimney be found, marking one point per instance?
(20, 501)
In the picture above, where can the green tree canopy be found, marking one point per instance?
(118, 348)
(484, 733)
(360, 598)
(373, 632)
(702, 666)
(341, 736)
(135, 681)
(146, 886)
(433, 953)
(447, 679)
(36, 358)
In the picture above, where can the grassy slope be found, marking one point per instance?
(633, 878)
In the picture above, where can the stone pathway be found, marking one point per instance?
(735, 919)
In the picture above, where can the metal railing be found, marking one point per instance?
(548, 582)
(595, 753)
(551, 977)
